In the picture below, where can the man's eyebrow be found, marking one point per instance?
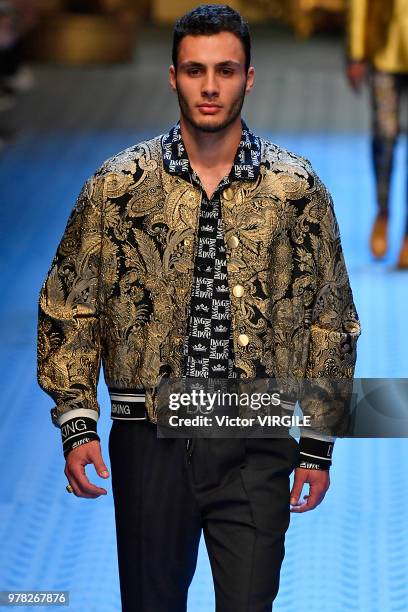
(188, 64)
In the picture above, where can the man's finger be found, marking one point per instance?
(74, 485)
(77, 488)
(73, 481)
(314, 498)
(300, 479)
(101, 468)
(85, 486)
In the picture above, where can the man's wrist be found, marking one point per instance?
(315, 454)
(76, 431)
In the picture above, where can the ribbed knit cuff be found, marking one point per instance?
(77, 431)
(315, 454)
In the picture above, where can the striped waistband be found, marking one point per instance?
(128, 405)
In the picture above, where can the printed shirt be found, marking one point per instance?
(208, 346)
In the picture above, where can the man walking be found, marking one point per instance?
(205, 252)
(377, 50)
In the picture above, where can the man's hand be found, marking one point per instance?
(319, 482)
(356, 74)
(77, 459)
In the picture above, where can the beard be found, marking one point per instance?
(233, 113)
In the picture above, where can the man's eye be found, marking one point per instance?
(194, 71)
(226, 71)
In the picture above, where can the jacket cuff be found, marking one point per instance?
(77, 430)
(315, 454)
(339, 349)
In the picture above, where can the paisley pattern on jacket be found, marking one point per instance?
(119, 286)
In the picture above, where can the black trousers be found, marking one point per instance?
(165, 493)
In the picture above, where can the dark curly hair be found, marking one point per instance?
(212, 19)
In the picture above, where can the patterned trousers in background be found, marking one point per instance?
(386, 90)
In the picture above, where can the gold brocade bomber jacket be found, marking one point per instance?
(119, 286)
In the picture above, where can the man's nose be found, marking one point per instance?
(210, 85)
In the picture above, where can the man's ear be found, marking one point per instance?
(172, 77)
(250, 79)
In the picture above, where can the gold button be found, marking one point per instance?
(187, 242)
(228, 193)
(238, 290)
(233, 242)
(243, 339)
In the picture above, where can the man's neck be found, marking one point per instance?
(209, 151)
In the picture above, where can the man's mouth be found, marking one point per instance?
(209, 108)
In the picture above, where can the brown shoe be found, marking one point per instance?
(378, 240)
(403, 256)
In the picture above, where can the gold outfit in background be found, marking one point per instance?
(378, 33)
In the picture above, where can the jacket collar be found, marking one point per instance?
(246, 164)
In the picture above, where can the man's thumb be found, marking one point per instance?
(296, 490)
(101, 469)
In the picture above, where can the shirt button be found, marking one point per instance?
(233, 242)
(228, 193)
(243, 339)
(238, 290)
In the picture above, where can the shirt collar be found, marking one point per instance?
(246, 162)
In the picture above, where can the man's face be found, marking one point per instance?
(211, 81)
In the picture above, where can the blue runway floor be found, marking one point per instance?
(351, 553)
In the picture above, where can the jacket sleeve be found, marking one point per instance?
(69, 346)
(357, 13)
(332, 351)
